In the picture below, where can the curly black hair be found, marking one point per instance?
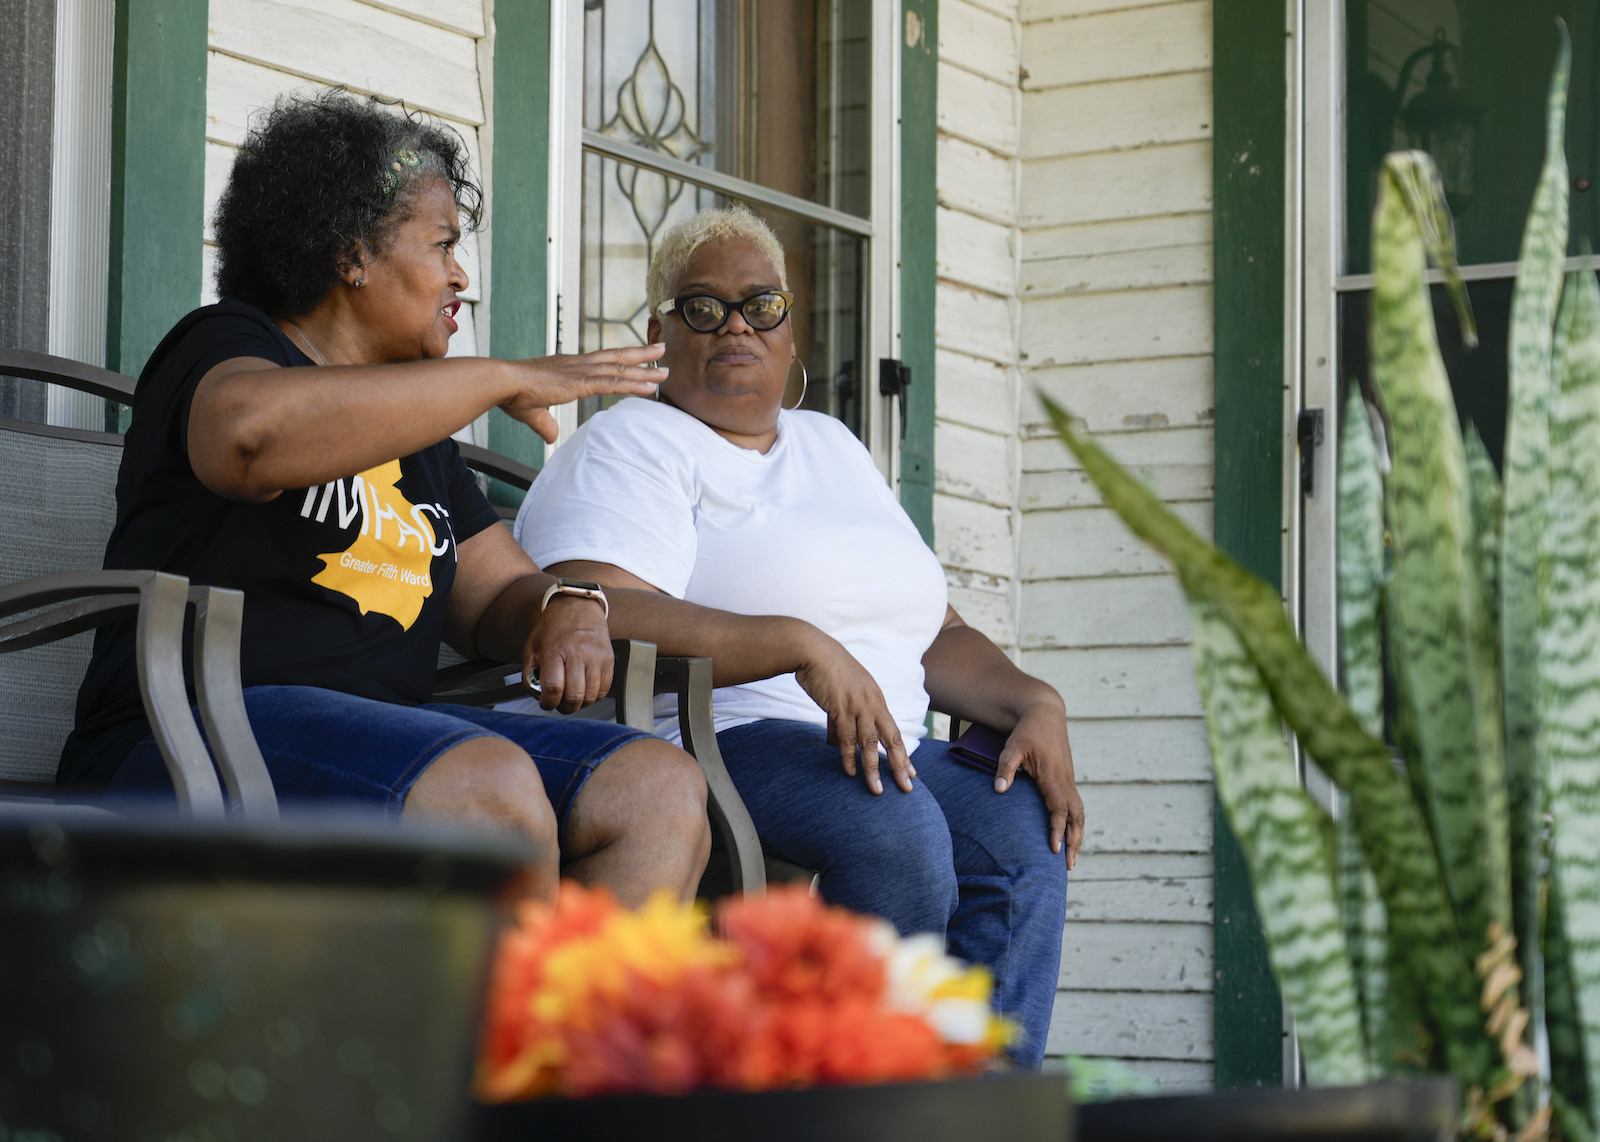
(323, 181)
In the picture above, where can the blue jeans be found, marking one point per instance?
(323, 748)
(952, 856)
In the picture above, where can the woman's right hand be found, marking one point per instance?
(548, 381)
(858, 716)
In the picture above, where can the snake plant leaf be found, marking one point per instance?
(1487, 502)
(1437, 613)
(1360, 574)
(1527, 486)
(1280, 830)
(1569, 1077)
(1568, 734)
(1394, 837)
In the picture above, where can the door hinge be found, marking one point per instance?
(894, 378)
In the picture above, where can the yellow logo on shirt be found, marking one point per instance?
(388, 569)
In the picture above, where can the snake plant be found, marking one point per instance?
(1450, 917)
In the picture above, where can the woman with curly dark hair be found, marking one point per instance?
(293, 441)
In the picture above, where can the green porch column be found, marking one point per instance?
(519, 230)
(158, 141)
(919, 130)
(1248, 173)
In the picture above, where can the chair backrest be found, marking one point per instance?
(57, 505)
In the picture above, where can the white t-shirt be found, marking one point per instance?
(809, 529)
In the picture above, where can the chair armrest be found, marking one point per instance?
(219, 692)
(690, 680)
(81, 600)
(481, 682)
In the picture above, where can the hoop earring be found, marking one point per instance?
(804, 381)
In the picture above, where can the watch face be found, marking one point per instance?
(580, 584)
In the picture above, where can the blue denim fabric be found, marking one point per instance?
(323, 746)
(952, 856)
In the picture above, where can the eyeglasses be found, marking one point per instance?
(707, 313)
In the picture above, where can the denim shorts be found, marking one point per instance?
(325, 748)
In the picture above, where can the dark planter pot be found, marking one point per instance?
(1017, 1108)
(168, 980)
(1423, 1109)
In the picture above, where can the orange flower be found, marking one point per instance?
(796, 947)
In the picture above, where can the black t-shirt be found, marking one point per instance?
(345, 584)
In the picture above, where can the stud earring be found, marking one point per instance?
(359, 282)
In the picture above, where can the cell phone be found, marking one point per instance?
(979, 746)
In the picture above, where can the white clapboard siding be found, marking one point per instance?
(978, 109)
(1076, 329)
(1069, 489)
(1148, 447)
(985, 609)
(464, 16)
(1139, 253)
(1128, 750)
(1174, 888)
(971, 536)
(358, 45)
(976, 252)
(1101, 45)
(976, 465)
(975, 392)
(1146, 610)
(1133, 1024)
(1136, 957)
(1085, 542)
(1174, 178)
(1117, 396)
(1114, 270)
(1120, 682)
(979, 40)
(977, 180)
(973, 322)
(1116, 115)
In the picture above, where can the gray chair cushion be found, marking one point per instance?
(57, 505)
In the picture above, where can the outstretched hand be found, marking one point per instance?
(1038, 746)
(858, 716)
(549, 381)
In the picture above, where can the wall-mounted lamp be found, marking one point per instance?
(1443, 119)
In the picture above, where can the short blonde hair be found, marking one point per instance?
(680, 242)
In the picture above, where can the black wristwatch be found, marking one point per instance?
(581, 588)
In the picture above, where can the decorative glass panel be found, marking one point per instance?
(776, 94)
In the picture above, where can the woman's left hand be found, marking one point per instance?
(1038, 746)
(569, 651)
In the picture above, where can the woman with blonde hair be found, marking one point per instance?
(767, 539)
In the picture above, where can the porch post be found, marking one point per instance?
(1248, 178)
(919, 129)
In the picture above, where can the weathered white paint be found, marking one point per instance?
(1119, 396)
(975, 392)
(970, 536)
(1134, 254)
(425, 54)
(1086, 542)
(977, 252)
(1117, 115)
(1133, 1024)
(1093, 45)
(1131, 750)
(1148, 817)
(978, 109)
(1145, 609)
(1136, 957)
(1129, 887)
(364, 47)
(979, 40)
(1149, 447)
(987, 187)
(1072, 489)
(975, 322)
(976, 465)
(1174, 178)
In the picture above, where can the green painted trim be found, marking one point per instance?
(519, 228)
(1248, 177)
(919, 130)
(158, 174)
